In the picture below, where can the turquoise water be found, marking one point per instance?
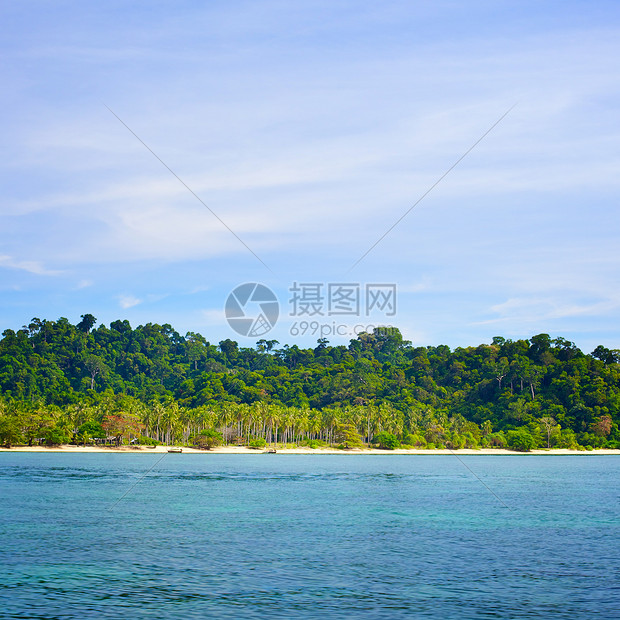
(250, 536)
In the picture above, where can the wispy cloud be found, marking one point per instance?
(213, 316)
(34, 267)
(128, 301)
(527, 310)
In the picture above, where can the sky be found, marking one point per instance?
(156, 155)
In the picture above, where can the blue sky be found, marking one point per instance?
(310, 128)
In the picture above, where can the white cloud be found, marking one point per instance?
(422, 285)
(198, 289)
(527, 310)
(128, 301)
(34, 267)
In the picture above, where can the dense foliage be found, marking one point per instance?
(61, 382)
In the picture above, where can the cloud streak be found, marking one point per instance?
(128, 301)
(31, 266)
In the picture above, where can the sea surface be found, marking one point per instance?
(308, 536)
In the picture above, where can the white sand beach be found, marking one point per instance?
(318, 451)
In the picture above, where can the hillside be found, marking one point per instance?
(57, 377)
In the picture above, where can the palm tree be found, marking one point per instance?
(170, 421)
(329, 421)
(226, 417)
(315, 423)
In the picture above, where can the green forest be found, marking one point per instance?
(64, 383)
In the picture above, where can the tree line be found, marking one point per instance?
(61, 382)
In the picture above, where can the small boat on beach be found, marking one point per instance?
(176, 450)
(270, 451)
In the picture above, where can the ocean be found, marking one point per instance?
(308, 536)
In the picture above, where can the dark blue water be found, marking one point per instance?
(222, 536)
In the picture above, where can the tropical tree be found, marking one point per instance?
(548, 424)
(520, 439)
(386, 441)
(122, 426)
(96, 367)
(10, 432)
(347, 436)
(207, 439)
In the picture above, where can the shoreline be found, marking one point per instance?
(70, 449)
